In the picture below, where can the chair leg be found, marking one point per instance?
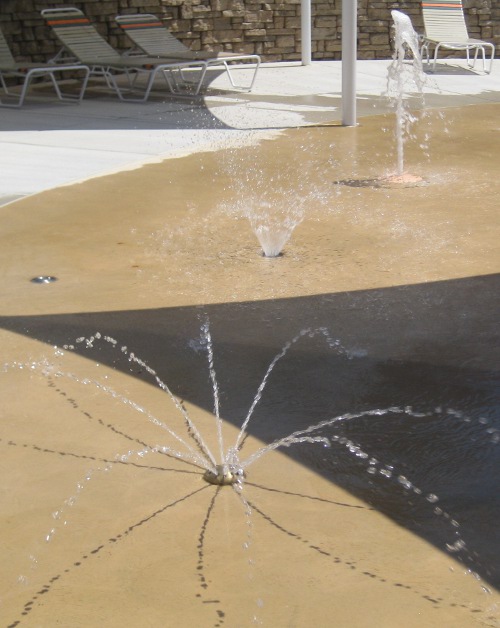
(4, 84)
(483, 52)
(424, 50)
(436, 50)
(20, 99)
(477, 49)
(492, 57)
(65, 97)
(242, 88)
(482, 48)
(39, 72)
(175, 86)
(111, 82)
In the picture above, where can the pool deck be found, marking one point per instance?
(385, 302)
(47, 144)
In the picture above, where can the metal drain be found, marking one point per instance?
(43, 279)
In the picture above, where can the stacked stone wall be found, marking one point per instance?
(271, 29)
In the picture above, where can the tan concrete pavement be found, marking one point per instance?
(47, 144)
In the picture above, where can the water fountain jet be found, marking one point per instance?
(273, 225)
(276, 196)
(251, 334)
(399, 79)
(271, 241)
(229, 469)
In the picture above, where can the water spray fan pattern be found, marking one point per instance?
(227, 470)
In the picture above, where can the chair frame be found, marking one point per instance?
(81, 41)
(151, 37)
(451, 36)
(9, 67)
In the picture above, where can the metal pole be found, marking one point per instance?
(349, 55)
(306, 31)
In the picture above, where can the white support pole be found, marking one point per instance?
(349, 56)
(306, 31)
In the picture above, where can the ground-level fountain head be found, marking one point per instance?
(223, 476)
(272, 238)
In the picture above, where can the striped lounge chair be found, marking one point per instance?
(81, 41)
(151, 37)
(445, 28)
(9, 68)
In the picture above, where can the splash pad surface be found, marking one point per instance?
(405, 279)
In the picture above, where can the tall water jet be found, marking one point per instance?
(404, 78)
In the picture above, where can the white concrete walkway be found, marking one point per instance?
(47, 144)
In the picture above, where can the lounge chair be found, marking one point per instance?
(81, 41)
(9, 67)
(445, 28)
(151, 37)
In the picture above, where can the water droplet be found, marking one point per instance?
(50, 535)
(404, 481)
(456, 547)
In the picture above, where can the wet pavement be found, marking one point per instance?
(384, 310)
(47, 144)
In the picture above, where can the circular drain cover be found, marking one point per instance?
(43, 279)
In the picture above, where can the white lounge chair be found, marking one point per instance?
(150, 36)
(81, 41)
(9, 67)
(445, 28)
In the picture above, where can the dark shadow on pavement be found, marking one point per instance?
(433, 346)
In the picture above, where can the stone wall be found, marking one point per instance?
(271, 29)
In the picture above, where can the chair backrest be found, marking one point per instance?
(150, 35)
(444, 20)
(79, 36)
(6, 58)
